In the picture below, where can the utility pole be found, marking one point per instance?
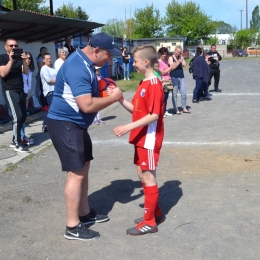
(240, 18)
(247, 14)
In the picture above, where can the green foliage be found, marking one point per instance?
(187, 20)
(147, 23)
(255, 22)
(222, 27)
(70, 11)
(30, 5)
(114, 28)
(245, 38)
(211, 40)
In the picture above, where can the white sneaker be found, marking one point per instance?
(124, 78)
(127, 78)
(167, 114)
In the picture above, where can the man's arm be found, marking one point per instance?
(5, 69)
(219, 57)
(89, 104)
(146, 120)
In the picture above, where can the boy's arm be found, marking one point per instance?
(126, 104)
(123, 129)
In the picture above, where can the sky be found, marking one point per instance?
(105, 10)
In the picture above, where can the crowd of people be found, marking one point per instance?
(72, 94)
(170, 68)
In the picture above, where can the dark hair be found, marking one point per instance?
(40, 51)
(198, 51)
(163, 50)
(156, 62)
(46, 54)
(31, 66)
(213, 45)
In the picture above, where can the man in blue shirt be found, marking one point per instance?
(75, 104)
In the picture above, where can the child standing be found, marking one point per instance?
(147, 130)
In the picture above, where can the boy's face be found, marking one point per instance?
(156, 66)
(140, 64)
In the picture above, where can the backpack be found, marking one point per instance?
(191, 65)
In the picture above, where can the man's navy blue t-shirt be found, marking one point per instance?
(75, 78)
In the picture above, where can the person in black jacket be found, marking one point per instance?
(214, 60)
(200, 74)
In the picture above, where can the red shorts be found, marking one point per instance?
(147, 159)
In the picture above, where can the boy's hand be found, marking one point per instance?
(116, 94)
(121, 130)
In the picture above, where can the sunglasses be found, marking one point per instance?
(13, 45)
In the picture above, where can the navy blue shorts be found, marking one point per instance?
(72, 143)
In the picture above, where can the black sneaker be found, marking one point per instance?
(158, 220)
(141, 229)
(93, 217)
(81, 232)
(12, 144)
(21, 148)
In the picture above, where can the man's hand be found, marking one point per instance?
(10, 55)
(121, 130)
(116, 94)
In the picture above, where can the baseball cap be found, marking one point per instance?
(104, 41)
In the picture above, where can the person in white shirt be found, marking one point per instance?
(62, 54)
(48, 78)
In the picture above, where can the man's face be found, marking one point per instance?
(102, 57)
(10, 45)
(213, 48)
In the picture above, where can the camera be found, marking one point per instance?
(17, 54)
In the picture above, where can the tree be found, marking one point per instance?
(222, 27)
(31, 5)
(255, 22)
(114, 28)
(245, 38)
(187, 20)
(71, 12)
(147, 23)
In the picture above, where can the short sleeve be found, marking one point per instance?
(155, 98)
(3, 61)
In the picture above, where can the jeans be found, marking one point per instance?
(126, 70)
(198, 89)
(166, 95)
(49, 100)
(179, 84)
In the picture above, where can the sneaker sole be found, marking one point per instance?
(78, 238)
(95, 221)
(142, 233)
(158, 222)
(20, 151)
(12, 145)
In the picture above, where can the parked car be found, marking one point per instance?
(192, 52)
(239, 53)
(253, 50)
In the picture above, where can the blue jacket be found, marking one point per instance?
(201, 68)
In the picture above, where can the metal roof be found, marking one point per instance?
(31, 26)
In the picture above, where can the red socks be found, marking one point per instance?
(151, 195)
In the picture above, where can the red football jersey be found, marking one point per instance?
(149, 98)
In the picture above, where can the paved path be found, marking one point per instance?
(209, 178)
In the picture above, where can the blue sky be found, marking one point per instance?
(104, 10)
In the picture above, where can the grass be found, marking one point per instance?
(130, 85)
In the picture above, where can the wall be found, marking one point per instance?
(34, 49)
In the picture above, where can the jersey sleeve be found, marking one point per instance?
(79, 80)
(2, 60)
(155, 98)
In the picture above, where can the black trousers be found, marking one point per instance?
(16, 102)
(216, 74)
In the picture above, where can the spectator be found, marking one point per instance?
(177, 62)
(200, 74)
(68, 45)
(40, 63)
(62, 54)
(165, 72)
(27, 85)
(48, 78)
(11, 73)
(214, 60)
(126, 59)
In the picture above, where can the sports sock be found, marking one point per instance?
(150, 202)
(71, 228)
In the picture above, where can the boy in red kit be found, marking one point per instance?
(147, 130)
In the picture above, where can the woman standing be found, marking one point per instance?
(177, 62)
(126, 59)
(201, 73)
(48, 78)
(27, 84)
(62, 54)
(40, 63)
(165, 72)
